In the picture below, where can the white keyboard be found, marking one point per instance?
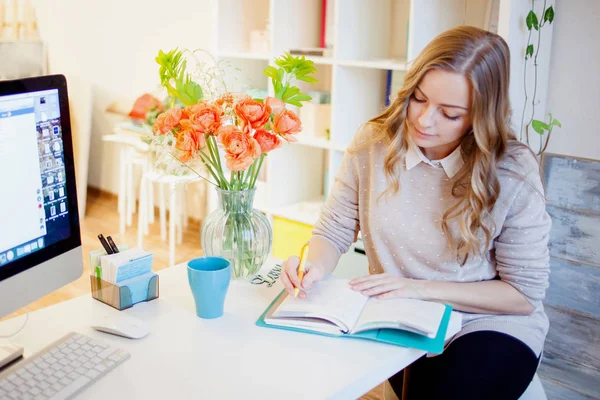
(61, 370)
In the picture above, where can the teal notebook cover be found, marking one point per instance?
(390, 336)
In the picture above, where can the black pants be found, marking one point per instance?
(480, 365)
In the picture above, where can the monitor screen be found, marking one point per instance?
(38, 193)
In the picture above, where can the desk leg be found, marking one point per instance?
(151, 204)
(184, 210)
(142, 212)
(130, 192)
(163, 212)
(122, 188)
(180, 212)
(172, 222)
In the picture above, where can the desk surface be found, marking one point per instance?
(230, 357)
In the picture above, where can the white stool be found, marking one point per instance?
(132, 152)
(177, 207)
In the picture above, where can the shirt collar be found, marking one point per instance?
(451, 164)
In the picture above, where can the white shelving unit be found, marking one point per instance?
(370, 38)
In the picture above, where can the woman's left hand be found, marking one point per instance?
(386, 286)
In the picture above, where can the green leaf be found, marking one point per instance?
(291, 68)
(539, 126)
(549, 14)
(308, 79)
(277, 86)
(529, 51)
(171, 90)
(271, 72)
(301, 97)
(553, 121)
(190, 93)
(279, 93)
(290, 92)
(532, 21)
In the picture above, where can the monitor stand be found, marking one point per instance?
(9, 352)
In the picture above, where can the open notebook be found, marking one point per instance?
(334, 309)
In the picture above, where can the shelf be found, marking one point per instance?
(321, 60)
(313, 141)
(375, 64)
(244, 55)
(306, 212)
(374, 48)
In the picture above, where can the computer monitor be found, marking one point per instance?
(40, 242)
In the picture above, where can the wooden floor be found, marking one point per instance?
(102, 217)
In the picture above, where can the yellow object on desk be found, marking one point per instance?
(289, 236)
(301, 267)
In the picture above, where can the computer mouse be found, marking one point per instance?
(127, 327)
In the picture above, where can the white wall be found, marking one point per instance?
(112, 44)
(574, 92)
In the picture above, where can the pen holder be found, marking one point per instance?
(124, 294)
(122, 297)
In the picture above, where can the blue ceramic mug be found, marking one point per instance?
(209, 279)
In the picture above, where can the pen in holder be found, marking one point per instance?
(125, 294)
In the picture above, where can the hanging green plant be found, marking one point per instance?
(544, 129)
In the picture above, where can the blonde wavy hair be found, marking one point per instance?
(484, 59)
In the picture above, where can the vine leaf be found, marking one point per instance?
(529, 51)
(532, 21)
(549, 14)
(539, 126)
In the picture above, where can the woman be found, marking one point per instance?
(451, 209)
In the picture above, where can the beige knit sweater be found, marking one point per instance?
(403, 235)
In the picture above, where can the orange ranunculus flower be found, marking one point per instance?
(240, 149)
(277, 106)
(143, 104)
(193, 109)
(206, 118)
(253, 113)
(267, 140)
(286, 124)
(189, 141)
(167, 121)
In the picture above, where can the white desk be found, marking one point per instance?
(226, 358)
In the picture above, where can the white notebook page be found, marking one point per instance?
(421, 315)
(332, 298)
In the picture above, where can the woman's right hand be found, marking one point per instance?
(313, 273)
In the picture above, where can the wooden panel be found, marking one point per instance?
(572, 352)
(555, 391)
(288, 237)
(575, 235)
(574, 286)
(572, 183)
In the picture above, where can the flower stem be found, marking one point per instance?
(215, 147)
(194, 171)
(207, 163)
(249, 175)
(255, 177)
(211, 144)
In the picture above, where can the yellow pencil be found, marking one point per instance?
(301, 267)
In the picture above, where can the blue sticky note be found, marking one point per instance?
(133, 268)
(138, 286)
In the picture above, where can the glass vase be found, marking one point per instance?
(238, 233)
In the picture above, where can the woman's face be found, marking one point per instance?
(438, 113)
